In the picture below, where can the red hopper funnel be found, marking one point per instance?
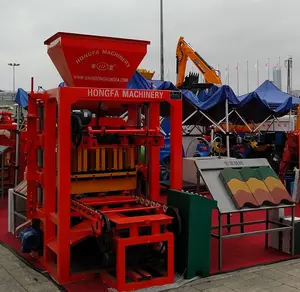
(95, 61)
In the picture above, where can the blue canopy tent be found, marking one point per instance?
(255, 107)
(273, 96)
(204, 95)
(138, 81)
(252, 107)
(62, 84)
(156, 83)
(213, 106)
(22, 98)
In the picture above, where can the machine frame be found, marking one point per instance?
(55, 213)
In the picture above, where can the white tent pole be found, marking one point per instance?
(17, 146)
(227, 128)
(290, 120)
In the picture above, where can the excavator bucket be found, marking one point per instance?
(95, 61)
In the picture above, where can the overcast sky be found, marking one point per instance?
(222, 31)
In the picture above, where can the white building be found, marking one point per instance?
(277, 79)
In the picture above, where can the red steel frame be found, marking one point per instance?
(56, 210)
(7, 124)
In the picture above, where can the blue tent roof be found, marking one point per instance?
(254, 107)
(157, 83)
(212, 101)
(204, 95)
(22, 98)
(273, 96)
(220, 96)
(213, 104)
(62, 84)
(138, 81)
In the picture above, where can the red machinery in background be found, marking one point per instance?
(85, 176)
(14, 166)
(290, 157)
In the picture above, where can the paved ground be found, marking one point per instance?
(16, 276)
(280, 277)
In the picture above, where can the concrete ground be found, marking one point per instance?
(279, 277)
(16, 276)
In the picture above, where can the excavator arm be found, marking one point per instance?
(185, 51)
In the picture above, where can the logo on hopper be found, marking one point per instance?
(102, 66)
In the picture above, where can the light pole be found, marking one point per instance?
(14, 65)
(162, 69)
(289, 65)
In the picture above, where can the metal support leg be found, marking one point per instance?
(220, 240)
(267, 227)
(228, 222)
(293, 232)
(242, 221)
(198, 183)
(2, 176)
(17, 147)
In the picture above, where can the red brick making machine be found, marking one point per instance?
(85, 177)
(14, 165)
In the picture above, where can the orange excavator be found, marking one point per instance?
(211, 75)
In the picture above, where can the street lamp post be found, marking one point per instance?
(162, 70)
(14, 65)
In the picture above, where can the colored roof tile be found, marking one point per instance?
(237, 188)
(275, 186)
(251, 187)
(257, 186)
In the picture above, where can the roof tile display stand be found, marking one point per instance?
(237, 188)
(226, 176)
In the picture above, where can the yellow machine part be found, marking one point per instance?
(146, 73)
(105, 169)
(111, 184)
(106, 158)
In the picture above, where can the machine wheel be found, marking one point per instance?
(176, 225)
(105, 243)
(107, 233)
(76, 126)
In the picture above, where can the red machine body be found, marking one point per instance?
(290, 153)
(99, 179)
(8, 133)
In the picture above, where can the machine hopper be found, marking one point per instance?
(95, 61)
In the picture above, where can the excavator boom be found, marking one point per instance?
(185, 51)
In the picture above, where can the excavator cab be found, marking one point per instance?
(191, 82)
